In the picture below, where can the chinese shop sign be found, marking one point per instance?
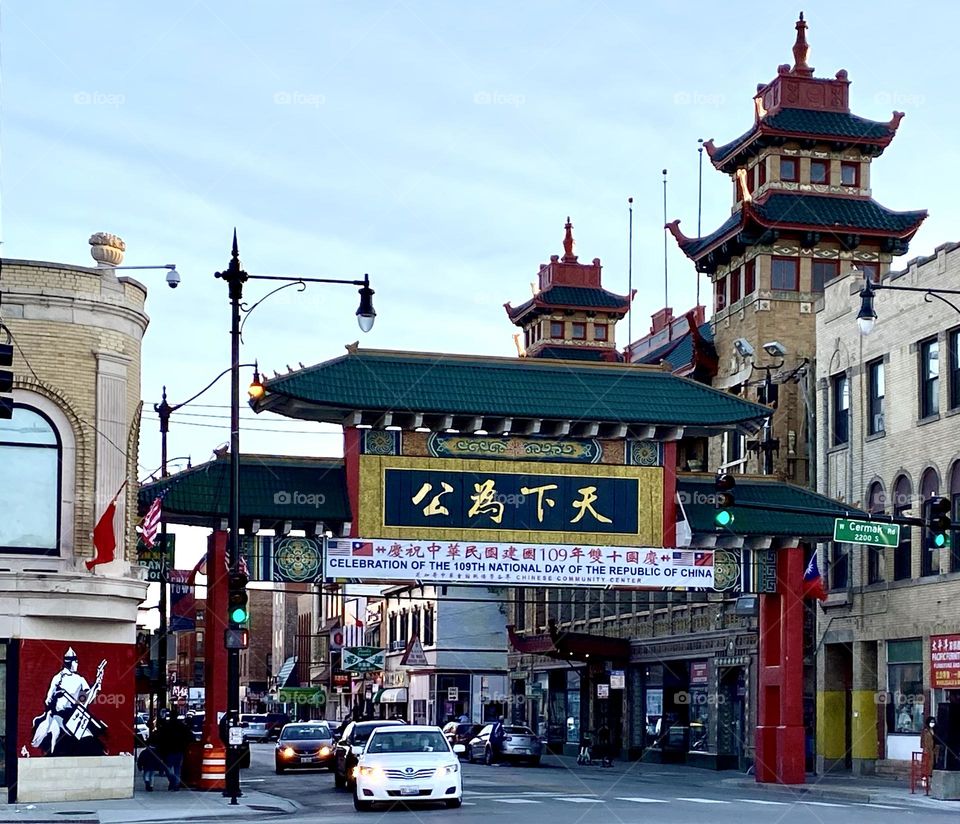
(945, 661)
(519, 564)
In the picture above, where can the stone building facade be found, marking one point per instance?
(888, 430)
(69, 450)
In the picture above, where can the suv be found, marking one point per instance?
(254, 727)
(275, 723)
(347, 752)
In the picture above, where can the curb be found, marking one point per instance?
(866, 795)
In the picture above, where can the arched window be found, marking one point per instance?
(955, 500)
(876, 505)
(929, 554)
(30, 483)
(903, 554)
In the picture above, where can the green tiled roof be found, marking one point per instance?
(541, 388)
(807, 122)
(574, 296)
(697, 491)
(272, 488)
(679, 351)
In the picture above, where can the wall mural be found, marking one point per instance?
(75, 698)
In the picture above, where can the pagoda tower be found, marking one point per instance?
(803, 212)
(570, 316)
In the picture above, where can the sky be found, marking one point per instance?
(438, 147)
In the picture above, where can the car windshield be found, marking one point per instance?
(253, 719)
(518, 731)
(387, 742)
(306, 732)
(361, 734)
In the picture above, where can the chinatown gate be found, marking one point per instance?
(538, 472)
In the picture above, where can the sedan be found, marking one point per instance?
(347, 751)
(304, 745)
(409, 763)
(519, 744)
(459, 733)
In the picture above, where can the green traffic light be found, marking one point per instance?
(939, 540)
(238, 615)
(723, 518)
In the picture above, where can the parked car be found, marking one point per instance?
(347, 751)
(458, 733)
(309, 744)
(254, 727)
(410, 763)
(519, 744)
(276, 721)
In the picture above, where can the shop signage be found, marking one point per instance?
(655, 702)
(283, 558)
(363, 659)
(618, 680)
(453, 693)
(414, 655)
(603, 690)
(340, 679)
(850, 531)
(945, 661)
(158, 558)
(519, 564)
(698, 673)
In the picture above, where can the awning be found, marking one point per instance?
(286, 671)
(569, 646)
(392, 695)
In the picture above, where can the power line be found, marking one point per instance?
(256, 429)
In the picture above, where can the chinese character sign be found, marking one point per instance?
(510, 501)
(519, 564)
(945, 661)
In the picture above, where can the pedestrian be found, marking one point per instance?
(175, 737)
(603, 745)
(150, 761)
(497, 735)
(463, 719)
(930, 747)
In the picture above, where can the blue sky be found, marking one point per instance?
(437, 146)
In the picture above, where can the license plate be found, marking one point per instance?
(306, 759)
(521, 751)
(409, 791)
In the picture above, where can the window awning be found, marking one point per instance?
(393, 695)
(286, 671)
(569, 646)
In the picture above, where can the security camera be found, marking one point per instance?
(743, 347)
(775, 349)
(173, 278)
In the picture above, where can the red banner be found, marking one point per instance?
(76, 698)
(945, 661)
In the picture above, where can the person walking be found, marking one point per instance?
(497, 735)
(150, 761)
(930, 747)
(175, 737)
(603, 745)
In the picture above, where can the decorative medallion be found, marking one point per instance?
(381, 442)
(726, 570)
(296, 560)
(513, 448)
(644, 453)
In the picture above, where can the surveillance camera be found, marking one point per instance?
(743, 347)
(173, 278)
(775, 349)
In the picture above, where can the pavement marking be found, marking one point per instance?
(758, 801)
(516, 801)
(703, 800)
(578, 799)
(877, 806)
(822, 804)
(645, 800)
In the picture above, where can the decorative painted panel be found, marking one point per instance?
(515, 448)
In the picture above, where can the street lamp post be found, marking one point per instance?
(867, 316)
(235, 277)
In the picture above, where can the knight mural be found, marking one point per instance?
(67, 725)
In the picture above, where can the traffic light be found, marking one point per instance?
(237, 602)
(6, 380)
(723, 485)
(936, 518)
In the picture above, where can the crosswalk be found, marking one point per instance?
(687, 801)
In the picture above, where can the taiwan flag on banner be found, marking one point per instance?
(363, 549)
(813, 581)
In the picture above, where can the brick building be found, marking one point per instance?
(888, 434)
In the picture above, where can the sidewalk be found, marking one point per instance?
(839, 788)
(159, 805)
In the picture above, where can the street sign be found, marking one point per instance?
(414, 655)
(603, 690)
(618, 680)
(850, 531)
(236, 737)
(453, 693)
(363, 659)
(156, 559)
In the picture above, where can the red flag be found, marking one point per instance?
(104, 539)
(812, 581)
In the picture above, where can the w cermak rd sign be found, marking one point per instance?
(846, 530)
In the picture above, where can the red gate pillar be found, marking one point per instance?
(780, 736)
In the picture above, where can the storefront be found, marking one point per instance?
(906, 704)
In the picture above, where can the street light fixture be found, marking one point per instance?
(235, 277)
(867, 316)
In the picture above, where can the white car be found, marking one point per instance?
(407, 763)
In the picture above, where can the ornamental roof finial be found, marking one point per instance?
(568, 255)
(801, 50)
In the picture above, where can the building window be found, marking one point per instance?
(785, 274)
(840, 402)
(751, 179)
(823, 272)
(875, 392)
(761, 172)
(788, 169)
(903, 554)
(599, 331)
(428, 628)
(929, 554)
(849, 174)
(735, 276)
(955, 534)
(199, 635)
(579, 331)
(30, 483)
(905, 682)
(953, 345)
(415, 624)
(540, 609)
(734, 447)
(556, 329)
(819, 171)
(876, 505)
(720, 294)
(393, 627)
(839, 566)
(929, 378)
(749, 277)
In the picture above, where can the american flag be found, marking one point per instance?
(150, 524)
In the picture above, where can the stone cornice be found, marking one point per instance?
(42, 301)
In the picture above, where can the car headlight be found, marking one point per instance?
(324, 751)
(371, 773)
(288, 752)
(446, 769)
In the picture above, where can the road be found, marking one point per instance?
(554, 794)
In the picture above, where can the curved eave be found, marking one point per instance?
(538, 307)
(757, 141)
